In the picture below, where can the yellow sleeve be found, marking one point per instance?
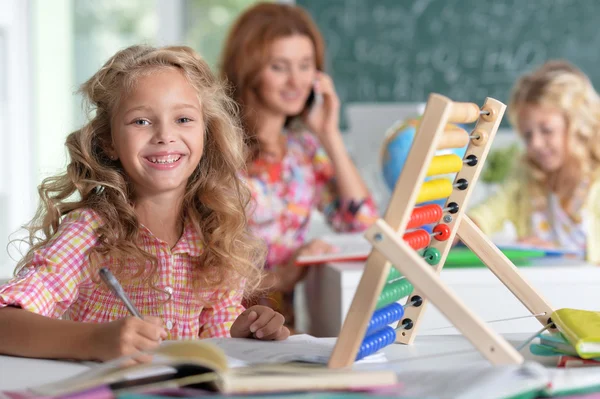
(500, 207)
(593, 226)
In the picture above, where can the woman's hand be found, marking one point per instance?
(535, 241)
(323, 117)
(260, 322)
(289, 274)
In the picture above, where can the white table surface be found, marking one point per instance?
(20, 373)
(449, 355)
(431, 357)
(329, 290)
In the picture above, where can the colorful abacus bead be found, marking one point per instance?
(423, 215)
(432, 256)
(393, 292)
(384, 317)
(373, 343)
(442, 232)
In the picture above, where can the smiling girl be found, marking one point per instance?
(553, 198)
(152, 192)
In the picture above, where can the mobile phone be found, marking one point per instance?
(314, 100)
(311, 99)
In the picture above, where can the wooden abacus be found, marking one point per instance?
(394, 268)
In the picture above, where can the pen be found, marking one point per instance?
(116, 288)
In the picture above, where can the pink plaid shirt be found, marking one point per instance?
(57, 283)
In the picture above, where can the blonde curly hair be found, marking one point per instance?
(560, 85)
(215, 201)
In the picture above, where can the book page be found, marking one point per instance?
(349, 246)
(297, 348)
(239, 352)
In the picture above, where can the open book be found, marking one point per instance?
(259, 367)
(348, 247)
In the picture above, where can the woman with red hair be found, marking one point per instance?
(274, 60)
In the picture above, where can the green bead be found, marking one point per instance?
(393, 292)
(394, 274)
(432, 256)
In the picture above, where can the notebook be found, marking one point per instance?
(553, 344)
(206, 365)
(348, 247)
(581, 328)
(573, 361)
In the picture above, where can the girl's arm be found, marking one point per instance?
(340, 191)
(32, 335)
(323, 120)
(29, 334)
(350, 185)
(349, 206)
(490, 214)
(284, 277)
(32, 304)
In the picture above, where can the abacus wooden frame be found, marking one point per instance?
(388, 246)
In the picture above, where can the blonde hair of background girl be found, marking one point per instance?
(215, 201)
(561, 85)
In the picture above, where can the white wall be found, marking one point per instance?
(54, 83)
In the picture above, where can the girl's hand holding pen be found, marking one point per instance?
(127, 336)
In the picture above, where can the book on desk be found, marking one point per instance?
(222, 365)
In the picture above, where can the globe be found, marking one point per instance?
(396, 147)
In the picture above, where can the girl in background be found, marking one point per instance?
(553, 199)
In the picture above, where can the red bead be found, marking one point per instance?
(423, 215)
(417, 239)
(443, 232)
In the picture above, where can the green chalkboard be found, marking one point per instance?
(402, 50)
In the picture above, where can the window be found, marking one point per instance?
(16, 176)
(207, 22)
(103, 27)
(47, 50)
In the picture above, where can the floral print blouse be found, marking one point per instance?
(285, 193)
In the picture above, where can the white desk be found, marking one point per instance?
(20, 373)
(329, 289)
(429, 358)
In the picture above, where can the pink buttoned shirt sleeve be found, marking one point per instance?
(217, 318)
(50, 282)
